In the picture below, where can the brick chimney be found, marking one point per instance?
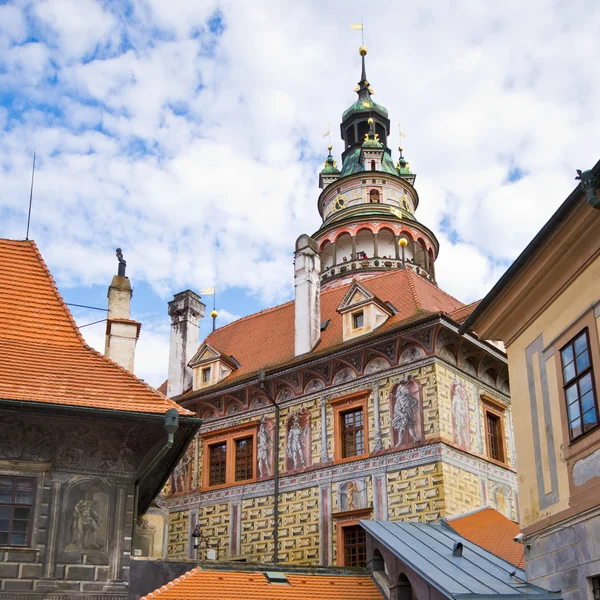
(185, 311)
(307, 302)
(121, 332)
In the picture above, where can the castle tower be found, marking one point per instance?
(369, 206)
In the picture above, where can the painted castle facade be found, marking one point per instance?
(357, 400)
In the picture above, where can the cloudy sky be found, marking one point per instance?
(190, 134)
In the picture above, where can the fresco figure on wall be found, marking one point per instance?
(459, 398)
(182, 472)
(298, 440)
(351, 491)
(86, 521)
(352, 495)
(406, 408)
(265, 443)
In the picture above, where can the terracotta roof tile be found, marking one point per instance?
(199, 584)
(460, 315)
(492, 531)
(266, 339)
(44, 358)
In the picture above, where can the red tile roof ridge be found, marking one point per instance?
(468, 513)
(413, 289)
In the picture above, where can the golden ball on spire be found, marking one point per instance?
(403, 242)
(370, 121)
(329, 147)
(214, 314)
(362, 50)
(400, 148)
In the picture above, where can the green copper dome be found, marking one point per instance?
(365, 106)
(330, 167)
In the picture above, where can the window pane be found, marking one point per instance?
(24, 498)
(18, 539)
(21, 513)
(4, 524)
(243, 459)
(20, 526)
(574, 411)
(3, 538)
(572, 394)
(6, 489)
(590, 419)
(585, 383)
(583, 361)
(576, 428)
(24, 484)
(4, 512)
(569, 372)
(580, 344)
(567, 355)
(587, 402)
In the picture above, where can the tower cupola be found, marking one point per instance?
(330, 171)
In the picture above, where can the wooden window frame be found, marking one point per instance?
(206, 371)
(575, 381)
(248, 454)
(358, 313)
(13, 505)
(340, 406)
(229, 436)
(494, 408)
(344, 520)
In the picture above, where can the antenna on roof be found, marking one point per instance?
(30, 196)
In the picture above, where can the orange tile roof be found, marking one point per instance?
(199, 584)
(44, 358)
(266, 339)
(460, 315)
(492, 531)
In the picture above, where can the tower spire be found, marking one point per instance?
(364, 89)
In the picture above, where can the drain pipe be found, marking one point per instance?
(262, 384)
(170, 424)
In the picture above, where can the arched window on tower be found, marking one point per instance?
(374, 196)
(372, 165)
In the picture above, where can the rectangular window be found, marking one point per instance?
(16, 510)
(353, 433)
(494, 437)
(218, 464)
(206, 375)
(244, 458)
(578, 380)
(358, 320)
(596, 587)
(355, 546)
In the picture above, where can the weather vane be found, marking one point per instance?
(359, 27)
(401, 135)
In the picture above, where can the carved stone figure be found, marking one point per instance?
(265, 443)
(460, 413)
(295, 442)
(86, 521)
(403, 419)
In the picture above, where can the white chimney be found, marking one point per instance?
(121, 332)
(307, 303)
(185, 311)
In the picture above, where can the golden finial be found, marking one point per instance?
(330, 147)
(214, 314)
(370, 121)
(403, 242)
(362, 50)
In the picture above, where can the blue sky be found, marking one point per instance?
(192, 138)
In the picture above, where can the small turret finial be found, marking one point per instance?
(122, 263)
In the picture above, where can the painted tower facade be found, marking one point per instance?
(358, 400)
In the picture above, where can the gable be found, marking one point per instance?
(356, 295)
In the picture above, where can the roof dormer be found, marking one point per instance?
(362, 312)
(211, 366)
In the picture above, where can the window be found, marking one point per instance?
(243, 459)
(229, 455)
(353, 433)
(494, 436)
(218, 464)
(355, 546)
(372, 165)
(16, 510)
(578, 381)
(206, 375)
(358, 320)
(596, 587)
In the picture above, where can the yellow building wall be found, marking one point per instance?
(462, 490)
(561, 314)
(177, 545)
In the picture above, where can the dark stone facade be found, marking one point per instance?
(85, 465)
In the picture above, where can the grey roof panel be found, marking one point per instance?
(427, 549)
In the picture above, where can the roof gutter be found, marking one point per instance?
(588, 180)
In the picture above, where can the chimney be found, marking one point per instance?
(185, 311)
(121, 332)
(307, 304)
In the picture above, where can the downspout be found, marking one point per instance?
(171, 424)
(261, 381)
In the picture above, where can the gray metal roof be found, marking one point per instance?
(427, 549)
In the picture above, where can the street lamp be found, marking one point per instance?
(403, 243)
(198, 538)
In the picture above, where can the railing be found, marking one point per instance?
(350, 267)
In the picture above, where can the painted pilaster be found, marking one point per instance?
(325, 526)
(376, 416)
(53, 527)
(324, 453)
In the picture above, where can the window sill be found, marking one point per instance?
(17, 549)
(576, 447)
(341, 461)
(210, 488)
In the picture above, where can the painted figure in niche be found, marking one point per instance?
(351, 491)
(407, 413)
(86, 521)
(459, 397)
(351, 495)
(183, 471)
(298, 440)
(265, 444)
